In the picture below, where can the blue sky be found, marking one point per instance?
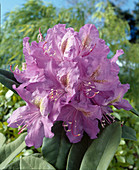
(9, 5)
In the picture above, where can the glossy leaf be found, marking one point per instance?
(9, 151)
(134, 111)
(14, 165)
(31, 162)
(8, 74)
(77, 152)
(102, 149)
(128, 133)
(7, 79)
(2, 139)
(55, 150)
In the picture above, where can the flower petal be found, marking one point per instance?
(16, 118)
(91, 127)
(35, 134)
(123, 104)
(47, 127)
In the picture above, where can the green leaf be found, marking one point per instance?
(55, 150)
(9, 151)
(102, 149)
(134, 111)
(7, 79)
(77, 152)
(13, 165)
(31, 162)
(2, 140)
(128, 133)
(8, 74)
(130, 159)
(120, 159)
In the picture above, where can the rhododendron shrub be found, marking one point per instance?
(67, 77)
(70, 88)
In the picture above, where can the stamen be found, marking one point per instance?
(90, 51)
(44, 47)
(40, 37)
(54, 95)
(28, 123)
(107, 119)
(75, 126)
(93, 48)
(44, 43)
(92, 87)
(65, 125)
(122, 123)
(86, 94)
(22, 129)
(12, 70)
(41, 34)
(88, 88)
(74, 134)
(68, 130)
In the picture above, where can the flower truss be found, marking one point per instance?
(67, 77)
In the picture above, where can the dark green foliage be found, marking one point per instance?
(127, 154)
(8, 80)
(15, 165)
(32, 162)
(9, 151)
(102, 150)
(87, 154)
(55, 150)
(128, 133)
(77, 152)
(134, 111)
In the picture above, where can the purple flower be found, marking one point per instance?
(34, 116)
(59, 86)
(115, 68)
(62, 43)
(43, 102)
(67, 77)
(92, 46)
(33, 68)
(79, 116)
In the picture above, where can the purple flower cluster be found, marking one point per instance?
(67, 77)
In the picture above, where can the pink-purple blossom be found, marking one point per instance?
(67, 77)
(33, 116)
